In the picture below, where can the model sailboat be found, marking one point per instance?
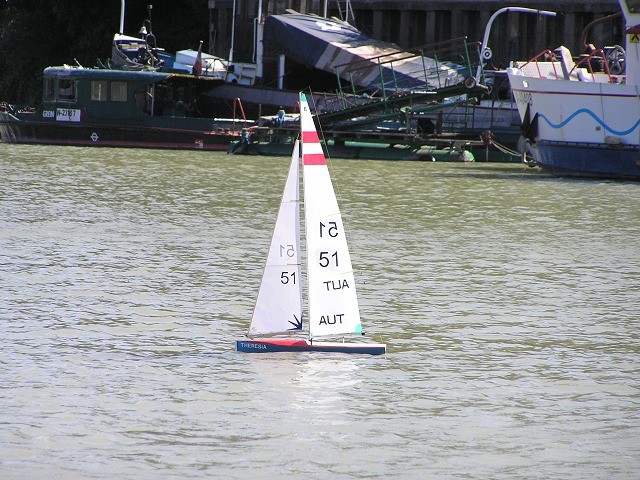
(333, 302)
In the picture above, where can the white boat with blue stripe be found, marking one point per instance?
(576, 120)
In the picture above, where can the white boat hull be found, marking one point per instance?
(579, 128)
(580, 112)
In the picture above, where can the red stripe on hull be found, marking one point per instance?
(83, 135)
(116, 144)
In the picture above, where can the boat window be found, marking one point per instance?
(118, 91)
(99, 90)
(66, 89)
(141, 98)
(49, 89)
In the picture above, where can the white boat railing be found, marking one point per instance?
(558, 65)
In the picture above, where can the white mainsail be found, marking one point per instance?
(333, 302)
(279, 304)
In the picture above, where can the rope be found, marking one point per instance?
(507, 150)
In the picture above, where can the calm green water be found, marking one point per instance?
(509, 302)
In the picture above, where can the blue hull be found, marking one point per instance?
(267, 345)
(595, 161)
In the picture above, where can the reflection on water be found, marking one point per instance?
(508, 301)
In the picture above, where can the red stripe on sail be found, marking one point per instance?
(197, 65)
(310, 137)
(314, 159)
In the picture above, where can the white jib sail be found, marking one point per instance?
(279, 304)
(333, 302)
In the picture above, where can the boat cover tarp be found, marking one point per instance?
(334, 46)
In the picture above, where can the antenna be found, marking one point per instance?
(121, 17)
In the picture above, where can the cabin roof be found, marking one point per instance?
(67, 71)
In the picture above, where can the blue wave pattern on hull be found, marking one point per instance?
(592, 115)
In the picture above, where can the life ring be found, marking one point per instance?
(469, 83)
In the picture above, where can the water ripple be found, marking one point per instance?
(508, 301)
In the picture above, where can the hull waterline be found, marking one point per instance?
(273, 345)
(125, 136)
(570, 160)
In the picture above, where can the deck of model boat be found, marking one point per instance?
(271, 345)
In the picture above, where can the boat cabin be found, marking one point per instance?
(77, 94)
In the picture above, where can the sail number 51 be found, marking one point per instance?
(289, 250)
(325, 259)
(285, 277)
(331, 229)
